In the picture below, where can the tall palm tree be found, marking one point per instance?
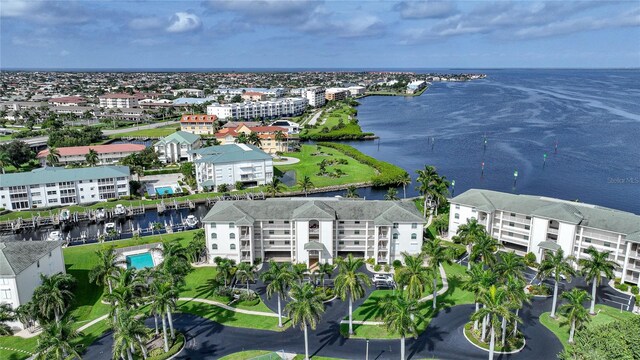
(242, 138)
(245, 273)
(325, 269)
(299, 270)
(594, 268)
(129, 332)
(197, 246)
(107, 266)
(414, 275)
(392, 194)
(163, 299)
(404, 181)
(556, 265)
(439, 192)
(516, 297)
(254, 139)
(278, 277)
(5, 160)
(305, 184)
(401, 316)
(53, 156)
(574, 310)
(280, 137)
(352, 192)
(53, 297)
(479, 280)
(6, 314)
(484, 250)
(427, 178)
(304, 310)
(495, 306)
(436, 255)
(92, 158)
(127, 292)
(226, 269)
(274, 187)
(54, 343)
(510, 265)
(350, 283)
(469, 233)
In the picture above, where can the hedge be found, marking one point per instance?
(617, 340)
(388, 174)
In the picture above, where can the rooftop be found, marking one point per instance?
(16, 256)
(100, 149)
(199, 118)
(52, 174)
(230, 153)
(182, 137)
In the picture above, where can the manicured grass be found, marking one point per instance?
(605, 315)
(15, 342)
(155, 132)
(243, 355)
(330, 120)
(230, 318)
(310, 157)
(301, 357)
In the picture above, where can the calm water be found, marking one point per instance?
(594, 115)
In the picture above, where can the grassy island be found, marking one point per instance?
(338, 123)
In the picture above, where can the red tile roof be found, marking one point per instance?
(100, 149)
(199, 118)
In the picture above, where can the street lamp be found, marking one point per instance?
(453, 187)
(367, 354)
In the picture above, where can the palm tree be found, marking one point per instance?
(516, 297)
(304, 309)
(129, 333)
(54, 295)
(594, 268)
(392, 195)
(197, 246)
(469, 233)
(325, 269)
(479, 280)
(404, 181)
(279, 276)
(510, 265)
(436, 254)
(305, 183)
(299, 270)
(6, 314)
(274, 187)
(439, 192)
(127, 291)
(55, 341)
(245, 273)
(106, 267)
(27, 314)
(401, 316)
(53, 156)
(414, 275)
(5, 160)
(280, 137)
(494, 307)
(427, 178)
(226, 269)
(242, 138)
(574, 310)
(352, 192)
(92, 158)
(556, 265)
(350, 283)
(484, 250)
(254, 139)
(163, 299)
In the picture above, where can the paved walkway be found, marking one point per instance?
(285, 160)
(314, 118)
(230, 308)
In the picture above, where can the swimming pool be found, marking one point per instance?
(164, 190)
(140, 261)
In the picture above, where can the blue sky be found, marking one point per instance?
(318, 34)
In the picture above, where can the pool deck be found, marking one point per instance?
(140, 249)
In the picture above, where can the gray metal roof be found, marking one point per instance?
(181, 137)
(52, 174)
(588, 215)
(16, 256)
(230, 153)
(383, 212)
(549, 245)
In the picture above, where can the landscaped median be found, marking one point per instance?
(267, 355)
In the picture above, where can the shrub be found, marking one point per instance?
(542, 289)
(622, 287)
(387, 268)
(530, 259)
(397, 263)
(224, 292)
(637, 299)
(223, 188)
(371, 261)
(161, 171)
(257, 261)
(377, 267)
(239, 185)
(634, 290)
(617, 281)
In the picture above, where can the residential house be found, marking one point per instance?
(266, 134)
(107, 154)
(199, 124)
(177, 147)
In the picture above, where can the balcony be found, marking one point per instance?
(314, 230)
(553, 231)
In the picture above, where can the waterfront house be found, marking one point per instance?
(228, 164)
(56, 186)
(177, 147)
(313, 230)
(199, 124)
(527, 223)
(21, 263)
(107, 154)
(266, 134)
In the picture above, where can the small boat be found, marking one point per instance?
(191, 221)
(54, 236)
(100, 214)
(120, 210)
(109, 227)
(65, 215)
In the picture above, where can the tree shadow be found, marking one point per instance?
(427, 340)
(208, 289)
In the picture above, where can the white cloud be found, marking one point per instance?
(183, 22)
(425, 9)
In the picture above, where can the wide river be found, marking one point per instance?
(592, 115)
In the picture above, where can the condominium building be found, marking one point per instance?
(273, 92)
(228, 164)
(356, 90)
(21, 264)
(336, 94)
(107, 154)
(253, 96)
(312, 230)
(68, 101)
(315, 95)
(54, 186)
(190, 92)
(259, 109)
(526, 223)
(267, 134)
(416, 86)
(199, 124)
(177, 147)
(122, 101)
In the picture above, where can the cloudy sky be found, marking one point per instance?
(318, 34)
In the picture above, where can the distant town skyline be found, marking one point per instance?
(318, 34)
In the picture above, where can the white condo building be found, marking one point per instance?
(526, 223)
(259, 109)
(177, 147)
(54, 186)
(228, 164)
(121, 101)
(312, 230)
(21, 263)
(315, 95)
(189, 92)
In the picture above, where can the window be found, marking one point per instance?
(340, 232)
(414, 226)
(414, 236)
(356, 243)
(528, 218)
(272, 242)
(286, 221)
(232, 225)
(511, 224)
(456, 216)
(395, 225)
(340, 222)
(287, 232)
(270, 221)
(38, 263)
(587, 240)
(214, 235)
(356, 232)
(232, 236)
(513, 214)
(457, 207)
(232, 246)
(527, 227)
(287, 242)
(214, 246)
(473, 210)
(607, 244)
(357, 222)
(395, 236)
(52, 192)
(340, 242)
(526, 237)
(5, 294)
(271, 232)
(510, 233)
(213, 225)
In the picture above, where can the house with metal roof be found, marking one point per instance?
(56, 186)
(21, 264)
(177, 147)
(231, 163)
(313, 230)
(527, 223)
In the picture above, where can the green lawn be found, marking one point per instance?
(244, 355)
(230, 318)
(310, 157)
(605, 315)
(155, 132)
(327, 126)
